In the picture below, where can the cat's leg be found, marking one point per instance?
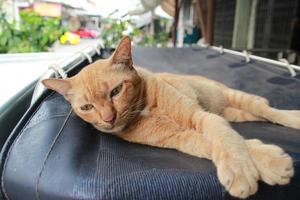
(235, 167)
(236, 115)
(227, 149)
(212, 138)
(273, 164)
(259, 107)
(161, 131)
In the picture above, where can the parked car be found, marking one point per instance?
(87, 33)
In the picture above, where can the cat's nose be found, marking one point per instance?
(108, 117)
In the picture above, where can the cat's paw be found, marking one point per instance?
(273, 164)
(238, 176)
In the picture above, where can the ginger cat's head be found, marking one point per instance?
(107, 93)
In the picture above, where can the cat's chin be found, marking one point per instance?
(111, 130)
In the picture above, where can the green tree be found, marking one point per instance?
(33, 34)
(113, 30)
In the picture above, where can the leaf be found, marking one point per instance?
(35, 33)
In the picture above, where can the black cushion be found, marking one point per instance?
(59, 156)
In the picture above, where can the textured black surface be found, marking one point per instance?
(58, 156)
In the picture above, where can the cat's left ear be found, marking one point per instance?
(122, 54)
(61, 86)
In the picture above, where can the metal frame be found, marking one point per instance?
(283, 64)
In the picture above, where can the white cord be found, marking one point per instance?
(258, 58)
(288, 66)
(97, 50)
(101, 43)
(87, 56)
(221, 50)
(59, 72)
(247, 57)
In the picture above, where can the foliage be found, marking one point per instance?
(33, 34)
(113, 30)
(159, 39)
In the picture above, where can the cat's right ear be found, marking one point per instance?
(122, 54)
(61, 86)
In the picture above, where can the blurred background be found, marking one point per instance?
(267, 28)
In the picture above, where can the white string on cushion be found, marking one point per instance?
(59, 72)
(86, 55)
(246, 55)
(288, 66)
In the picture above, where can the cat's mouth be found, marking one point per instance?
(109, 128)
(103, 127)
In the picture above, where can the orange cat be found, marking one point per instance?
(187, 113)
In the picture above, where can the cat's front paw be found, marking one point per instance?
(273, 164)
(238, 175)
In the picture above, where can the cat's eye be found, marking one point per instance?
(116, 90)
(86, 107)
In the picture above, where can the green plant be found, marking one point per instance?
(159, 39)
(113, 30)
(33, 34)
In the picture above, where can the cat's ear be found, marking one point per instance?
(61, 86)
(122, 54)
